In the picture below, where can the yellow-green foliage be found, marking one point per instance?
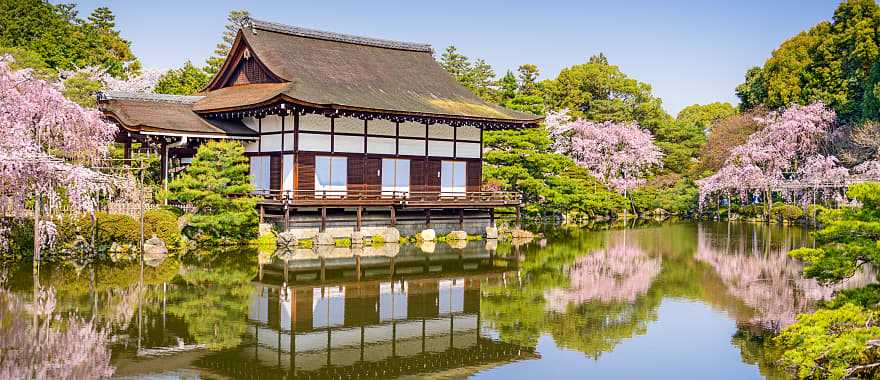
(306, 243)
(111, 228)
(265, 243)
(343, 242)
(163, 224)
(377, 240)
(786, 212)
(831, 343)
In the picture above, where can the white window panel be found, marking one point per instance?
(412, 147)
(452, 178)
(287, 170)
(395, 177)
(380, 145)
(314, 142)
(260, 172)
(439, 148)
(467, 150)
(348, 144)
(331, 175)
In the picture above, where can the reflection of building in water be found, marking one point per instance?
(383, 327)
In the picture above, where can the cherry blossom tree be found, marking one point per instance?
(618, 154)
(787, 148)
(46, 144)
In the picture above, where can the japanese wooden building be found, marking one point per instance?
(331, 120)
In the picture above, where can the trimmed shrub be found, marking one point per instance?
(786, 212)
(163, 224)
(111, 228)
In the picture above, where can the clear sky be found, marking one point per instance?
(689, 51)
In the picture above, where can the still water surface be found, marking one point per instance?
(669, 301)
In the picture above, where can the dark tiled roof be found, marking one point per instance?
(139, 112)
(350, 72)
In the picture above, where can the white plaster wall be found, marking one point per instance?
(348, 125)
(468, 133)
(312, 122)
(314, 142)
(412, 147)
(288, 141)
(271, 143)
(251, 146)
(250, 122)
(412, 129)
(381, 127)
(380, 145)
(467, 150)
(348, 144)
(440, 148)
(440, 131)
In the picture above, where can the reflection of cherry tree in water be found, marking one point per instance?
(44, 346)
(620, 272)
(768, 280)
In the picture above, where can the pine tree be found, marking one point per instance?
(103, 19)
(217, 184)
(235, 21)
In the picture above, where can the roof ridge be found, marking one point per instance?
(167, 98)
(339, 37)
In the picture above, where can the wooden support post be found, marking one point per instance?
(391, 272)
(323, 218)
(428, 217)
(461, 219)
(126, 150)
(286, 218)
(262, 213)
(360, 219)
(492, 217)
(163, 164)
(357, 266)
(322, 268)
(393, 216)
(518, 217)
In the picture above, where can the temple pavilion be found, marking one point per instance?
(330, 120)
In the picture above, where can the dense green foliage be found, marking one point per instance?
(217, 184)
(522, 160)
(64, 41)
(186, 80)
(840, 341)
(835, 62)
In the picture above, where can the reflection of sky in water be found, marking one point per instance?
(682, 344)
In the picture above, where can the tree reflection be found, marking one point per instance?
(767, 279)
(52, 346)
(212, 297)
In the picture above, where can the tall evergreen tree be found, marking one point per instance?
(235, 21)
(186, 80)
(217, 184)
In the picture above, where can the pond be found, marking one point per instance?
(665, 301)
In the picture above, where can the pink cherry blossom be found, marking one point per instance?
(46, 144)
(618, 154)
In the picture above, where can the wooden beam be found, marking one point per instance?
(393, 216)
(323, 218)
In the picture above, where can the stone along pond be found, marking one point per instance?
(668, 301)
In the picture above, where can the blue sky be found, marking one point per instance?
(689, 51)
